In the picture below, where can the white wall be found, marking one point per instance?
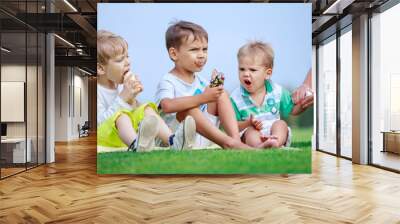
(69, 85)
(61, 103)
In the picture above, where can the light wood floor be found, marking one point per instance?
(5, 172)
(70, 191)
(10, 171)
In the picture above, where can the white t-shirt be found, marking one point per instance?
(171, 87)
(108, 103)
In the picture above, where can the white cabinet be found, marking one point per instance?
(12, 101)
(17, 147)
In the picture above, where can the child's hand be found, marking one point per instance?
(131, 88)
(211, 94)
(137, 86)
(257, 124)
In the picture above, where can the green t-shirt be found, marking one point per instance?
(277, 102)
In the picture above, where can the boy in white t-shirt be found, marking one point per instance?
(121, 120)
(182, 93)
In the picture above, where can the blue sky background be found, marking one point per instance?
(287, 27)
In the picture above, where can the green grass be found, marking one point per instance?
(213, 161)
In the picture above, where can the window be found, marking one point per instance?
(22, 68)
(385, 85)
(327, 95)
(346, 93)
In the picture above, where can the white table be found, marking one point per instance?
(18, 150)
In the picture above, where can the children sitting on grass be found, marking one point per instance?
(182, 92)
(122, 121)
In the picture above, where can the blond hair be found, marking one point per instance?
(109, 45)
(181, 30)
(255, 48)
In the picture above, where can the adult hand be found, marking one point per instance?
(307, 102)
(303, 96)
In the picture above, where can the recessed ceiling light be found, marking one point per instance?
(5, 50)
(337, 7)
(64, 40)
(70, 5)
(86, 72)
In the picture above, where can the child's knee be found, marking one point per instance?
(212, 108)
(224, 98)
(194, 112)
(225, 94)
(280, 124)
(121, 119)
(149, 111)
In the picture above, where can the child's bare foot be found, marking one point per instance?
(269, 142)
